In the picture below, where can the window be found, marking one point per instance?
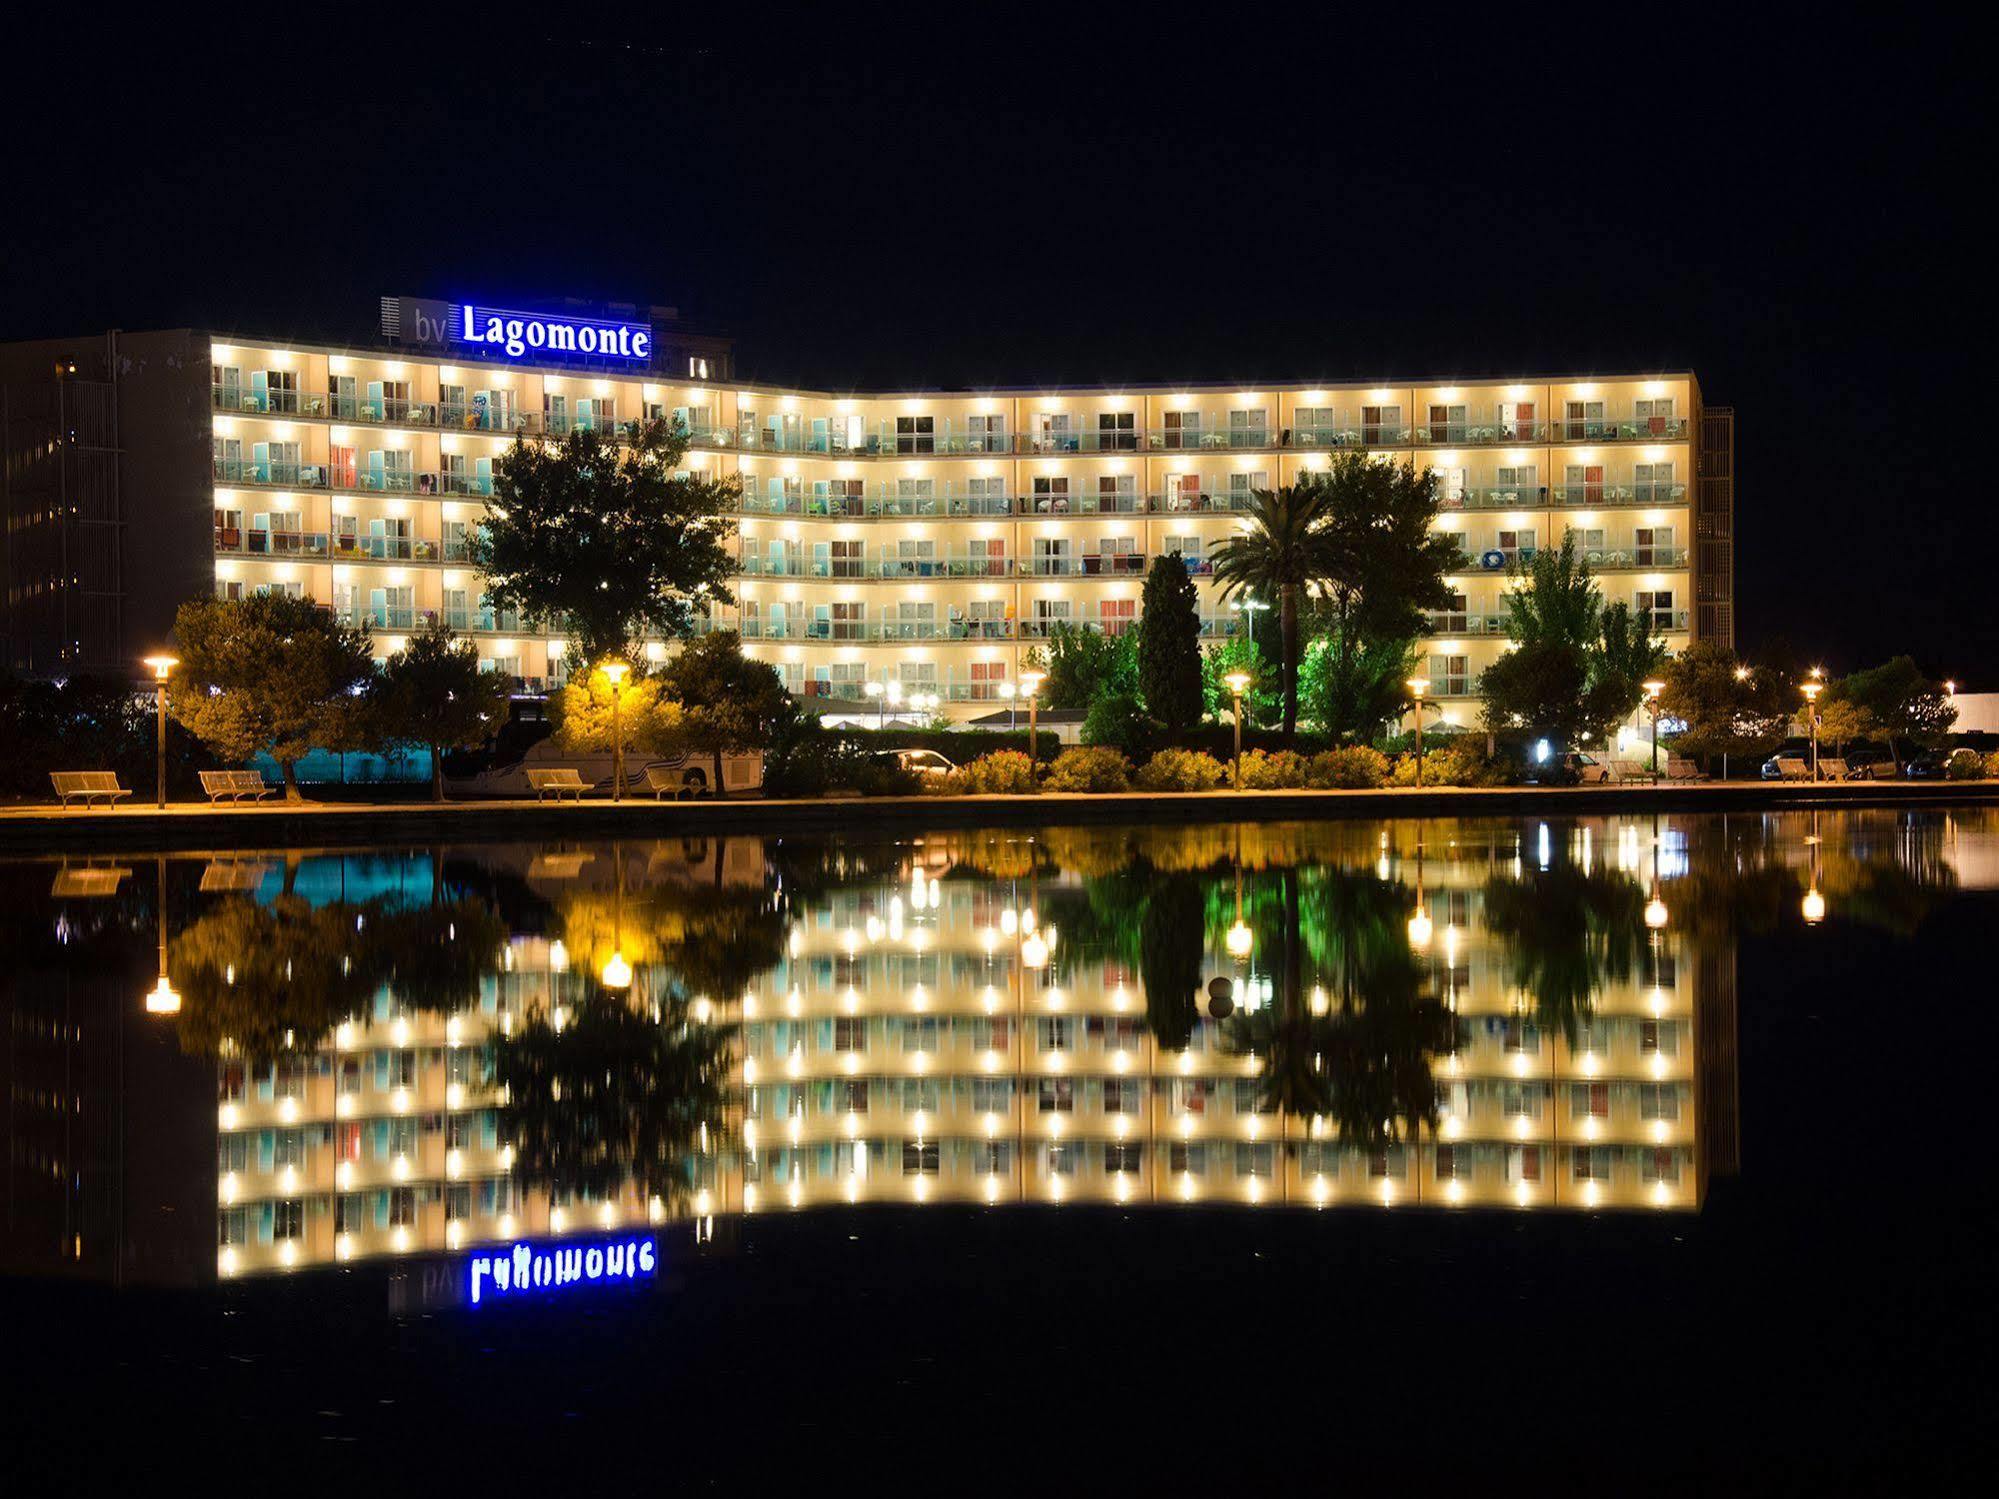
(1182, 429)
(1658, 1038)
(1582, 484)
(1523, 1164)
(1450, 487)
(1655, 417)
(288, 1220)
(1122, 1156)
(1516, 421)
(1447, 423)
(915, 434)
(1315, 427)
(1652, 483)
(1654, 546)
(919, 1157)
(1658, 1101)
(985, 434)
(1123, 1095)
(1051, 494)
(1657, 606)
(1247, 428)
(1516, 483)
(1591, 1162)
(1059, 1158)
(1449, 1162)
(1117, 431)
(1184, 1156)
(1115, 616)
(1055, 1095)
(1517, 542)
(1450, 675)
(850, 1033)
(1116, 494)
(1583, 421)
(1521, 1100)
(1054, 433)
(1054, 1032)
(1589, 1100)
(1453, 617)
(1660, 1166)
(1380, 424)
(851, 1095)
(1255, 1159)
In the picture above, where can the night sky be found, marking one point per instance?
(1243, 196)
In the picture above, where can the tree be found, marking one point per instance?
(607, 538)
(1727, 709)
(1574, 668)
(646, 719)
(1349, 690)
(727, 701)
(1169, 645)
(1384, 567)
(269, 673)
(88, 720)
(1840, 720)
(1904, 703)
(1628, 656)
(1282, 552)
(432, 692)
(1085, 664)
(1263, 702)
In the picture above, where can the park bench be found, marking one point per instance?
(234, 785)
(1834, 768)
(1680, 768)
(555, 780)
(87, 786)
(1630, 770)
(1792, 769)
(664, 779)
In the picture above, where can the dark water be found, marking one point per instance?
(1648, 1153)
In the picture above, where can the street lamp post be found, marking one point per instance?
(894, 695)
(161, 998)
(162, 666)
(1812, 691)
(1417, 687)
(1238, 684)
(1030, 686)
(614, 672)
(1006, 692)
(1652, 690)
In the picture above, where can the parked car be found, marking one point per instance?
(925, 762)
(1568, 768)
(1865, 765)
(1932, 765)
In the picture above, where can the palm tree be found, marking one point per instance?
(1283, 552)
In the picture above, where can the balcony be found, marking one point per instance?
(264, 543)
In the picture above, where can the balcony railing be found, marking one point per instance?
(1207, 431)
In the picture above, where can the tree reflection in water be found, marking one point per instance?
(623, 1089)
(1568, 931)
(1358, 1054)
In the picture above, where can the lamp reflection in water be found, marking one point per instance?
(161, 998)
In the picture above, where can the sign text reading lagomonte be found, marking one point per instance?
(518, 333)
(530, 1269)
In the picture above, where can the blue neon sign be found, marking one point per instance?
(519, 334)
(540, 1269)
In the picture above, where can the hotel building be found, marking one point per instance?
(925, 539)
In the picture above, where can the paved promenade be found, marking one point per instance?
(44, 827)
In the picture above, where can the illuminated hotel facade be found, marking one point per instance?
(922, 540)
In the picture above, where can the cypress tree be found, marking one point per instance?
(1169, 645)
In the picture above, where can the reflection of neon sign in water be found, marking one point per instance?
(529, 1268)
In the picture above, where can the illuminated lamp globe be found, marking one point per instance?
(1238, 682)
(1240, 940)
(1813, 906)
(617, 972)
(1034, 952)
(1655, 913)
(162, 999)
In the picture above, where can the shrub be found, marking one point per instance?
(1439, 769)
(1092, 768)
(1467, 765)
(1273, 770)
(1002, 773)
(1119, 719)
(1964, 765)
(1992, 765)
(1180, 770)
(1354, 768)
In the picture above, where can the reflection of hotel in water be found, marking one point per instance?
(923, 1039)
